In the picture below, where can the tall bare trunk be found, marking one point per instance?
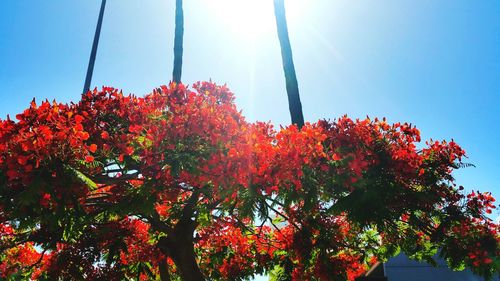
(95, 44)
(178, 39)
(292, 86)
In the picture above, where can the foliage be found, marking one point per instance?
(119, 187)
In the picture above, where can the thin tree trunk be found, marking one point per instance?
(95, 44)
(292, 86)
(178, 39)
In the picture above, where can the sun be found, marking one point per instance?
(251, 19)
(245, 18)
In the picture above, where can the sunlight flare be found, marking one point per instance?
(252, 20)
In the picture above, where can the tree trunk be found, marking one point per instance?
(292, 86)
(179, 242)
(180, 248)
(95, 44)
(164, 274)
(178, 39)
(185, 259)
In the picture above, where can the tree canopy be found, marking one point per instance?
(178, 185)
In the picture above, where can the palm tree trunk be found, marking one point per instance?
(178, 39)
(90, 69)
(292, 86)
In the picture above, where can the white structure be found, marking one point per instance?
(401, 268)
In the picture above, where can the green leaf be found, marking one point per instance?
(278, 274)
(81, 177)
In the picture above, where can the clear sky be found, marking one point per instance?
(433, 63)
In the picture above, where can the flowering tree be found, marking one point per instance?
(177, 185)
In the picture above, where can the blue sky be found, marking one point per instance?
(435, 64)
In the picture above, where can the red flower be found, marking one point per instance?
(22, 160)
(93, 148)
(78, 127)
(135, 128)
(129, 150)
(105, 135)
(78, 118)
